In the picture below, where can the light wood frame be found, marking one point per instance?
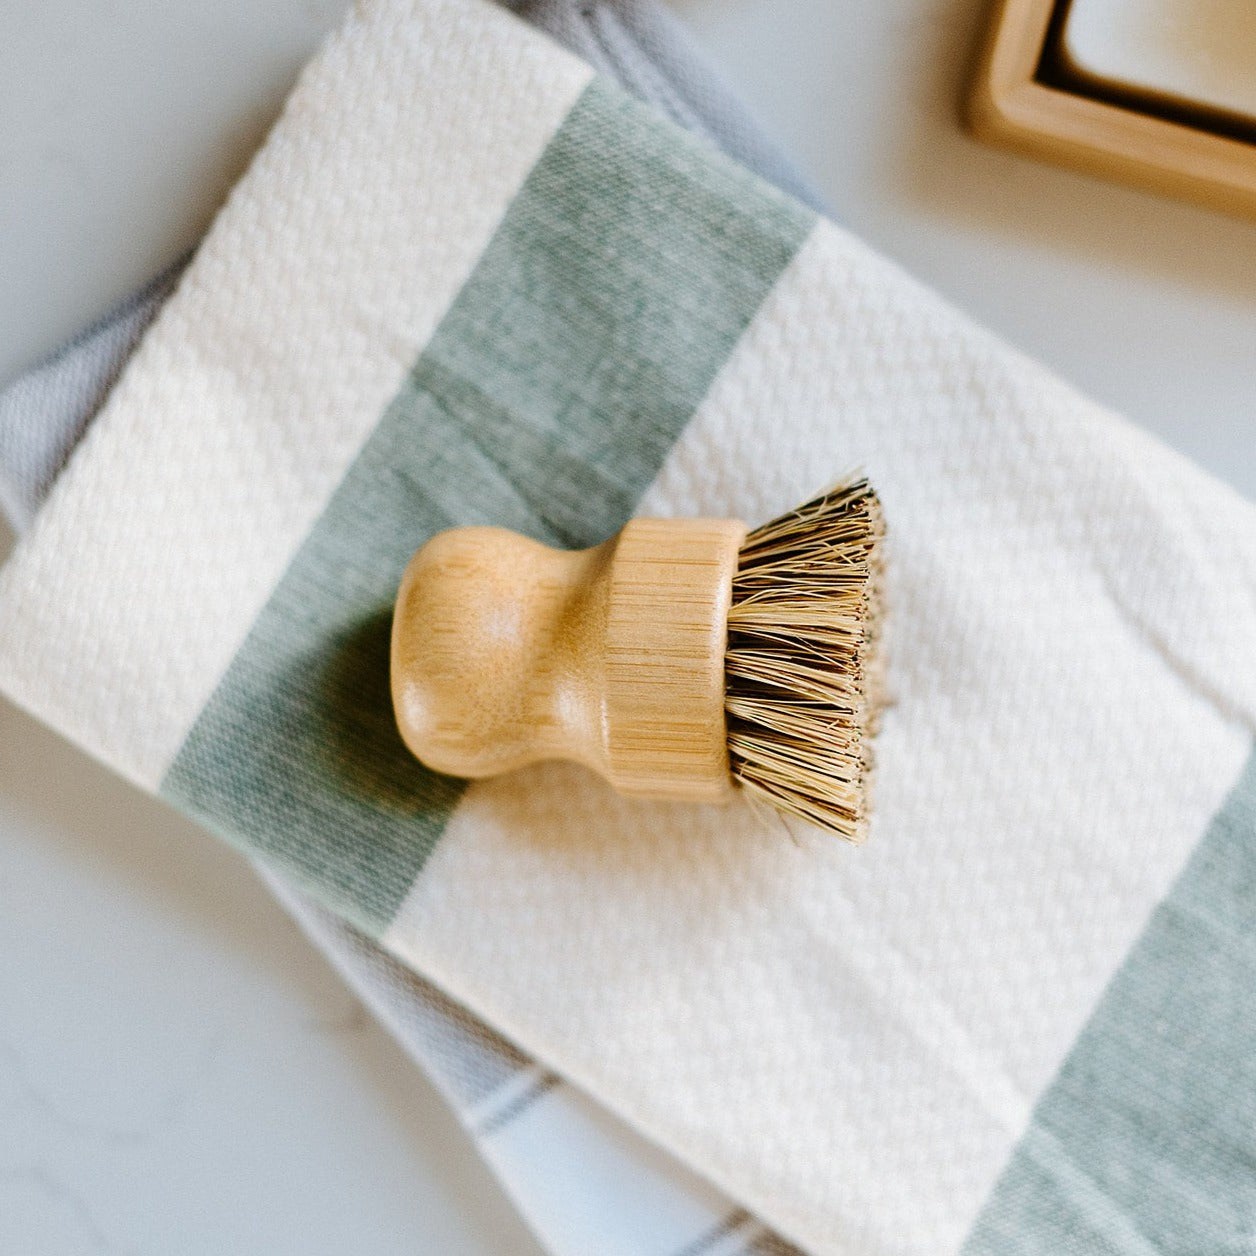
(1008, 105)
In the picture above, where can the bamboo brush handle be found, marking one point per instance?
(506, 652)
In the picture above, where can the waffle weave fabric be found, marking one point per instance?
(549, 309)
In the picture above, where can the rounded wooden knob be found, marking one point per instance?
(505, 652)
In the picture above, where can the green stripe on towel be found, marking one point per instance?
(1146, 1141)
(617, 284)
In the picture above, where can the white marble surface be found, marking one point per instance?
(179, 1071)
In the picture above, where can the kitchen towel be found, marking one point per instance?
(924, 1043)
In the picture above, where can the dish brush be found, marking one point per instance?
(683, 659)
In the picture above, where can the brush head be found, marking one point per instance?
(802, 666)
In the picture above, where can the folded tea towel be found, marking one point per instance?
(536, 1132)
(1015, 1013)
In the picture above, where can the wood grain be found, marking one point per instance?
(506, 652)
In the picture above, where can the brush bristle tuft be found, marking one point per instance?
(803, 667)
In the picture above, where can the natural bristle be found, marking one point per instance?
(803, 669)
